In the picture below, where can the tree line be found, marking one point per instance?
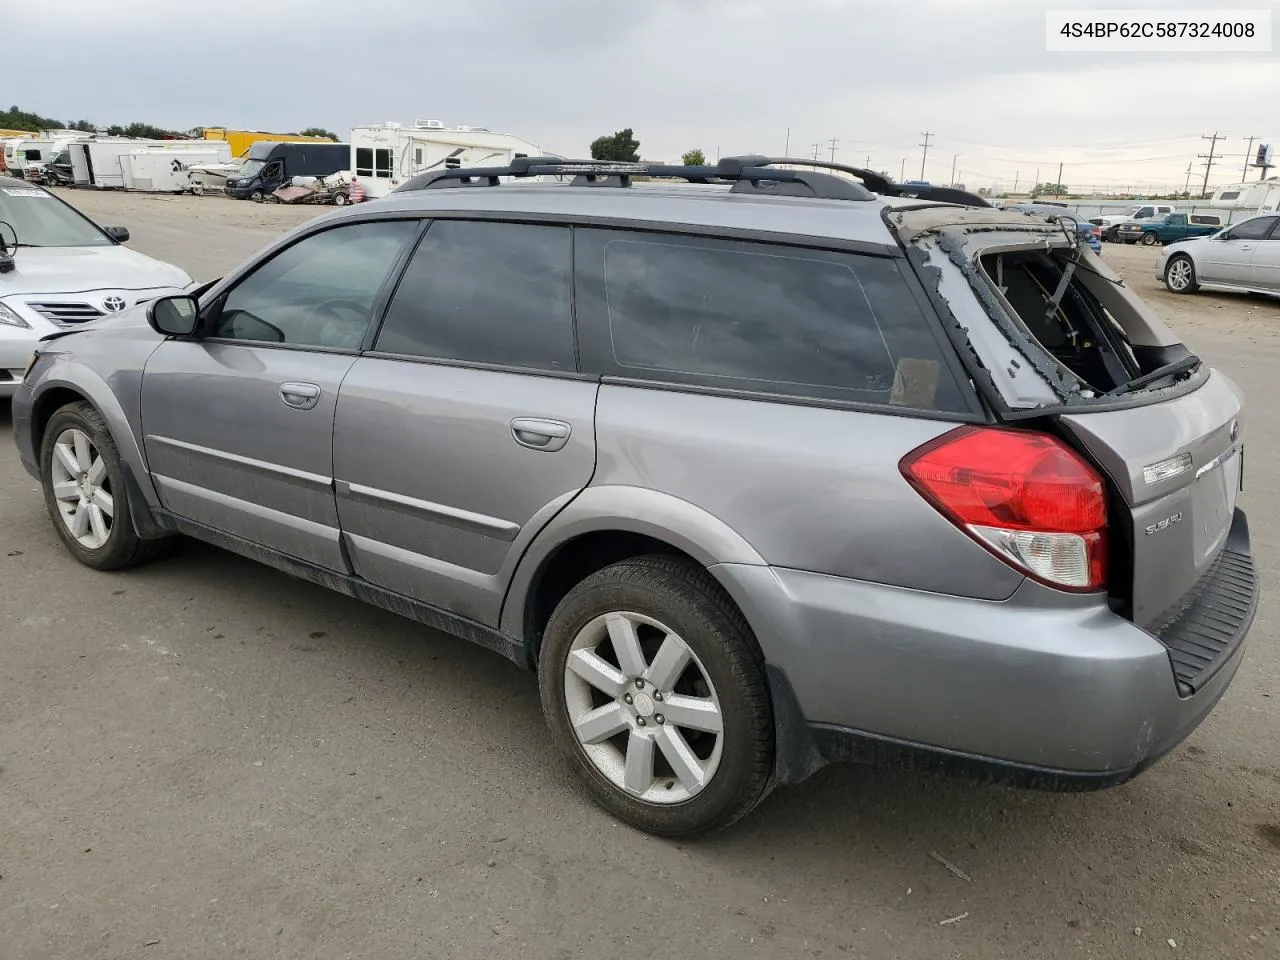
(16, 118)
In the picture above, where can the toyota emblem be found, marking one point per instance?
(113, 304)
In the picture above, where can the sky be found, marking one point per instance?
(726, 76)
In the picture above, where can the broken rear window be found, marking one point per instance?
(1063, 316)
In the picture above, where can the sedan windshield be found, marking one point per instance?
(39, 219)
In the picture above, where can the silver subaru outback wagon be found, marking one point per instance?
(760, 466)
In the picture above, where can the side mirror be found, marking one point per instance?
(118, 234)
(174, 316)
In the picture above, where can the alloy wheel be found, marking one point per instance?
(82, 488)
(643, 708)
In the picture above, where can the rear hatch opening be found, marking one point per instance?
(1056, 342)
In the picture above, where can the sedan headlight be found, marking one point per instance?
(9, 318)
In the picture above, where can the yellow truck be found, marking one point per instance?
(241, 140)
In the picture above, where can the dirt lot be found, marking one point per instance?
(206, 759)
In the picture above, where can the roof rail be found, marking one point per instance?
(748, 174)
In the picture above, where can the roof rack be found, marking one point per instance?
(748, 174)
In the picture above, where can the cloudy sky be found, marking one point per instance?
(731, 76)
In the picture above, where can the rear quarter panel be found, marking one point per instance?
(808, 488)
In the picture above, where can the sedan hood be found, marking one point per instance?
(55, 270)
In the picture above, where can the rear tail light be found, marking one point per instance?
(1027, 497)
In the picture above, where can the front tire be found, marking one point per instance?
(1149, 239)
(84, 491)
(257, 196)
(1180, 274)
(653, 687)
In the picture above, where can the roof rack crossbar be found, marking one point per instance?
(748, 174)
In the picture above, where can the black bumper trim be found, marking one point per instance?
(1209, 623)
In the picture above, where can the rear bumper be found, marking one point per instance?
(1044, 689)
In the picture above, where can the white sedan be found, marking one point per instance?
(1245, 256)
(59, 270)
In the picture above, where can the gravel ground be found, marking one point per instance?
(206, 759)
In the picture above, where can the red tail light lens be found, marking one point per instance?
(1027, 497)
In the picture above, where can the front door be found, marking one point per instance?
(238, 424)
(467, 427)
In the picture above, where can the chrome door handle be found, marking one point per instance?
(1246, 246)
(538, 434)
(302, 396)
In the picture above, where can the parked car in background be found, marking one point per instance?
(1091, 233)
(605, 430)
(66, 272)
(1170, 229)
(1111, 222)
(1244, 257)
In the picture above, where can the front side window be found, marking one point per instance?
(1255, 229)
(486, 292)
(758, 317)
(320, 292)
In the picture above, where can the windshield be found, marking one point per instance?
(39, 219)
(251, 167)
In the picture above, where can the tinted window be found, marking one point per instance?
(486, 292)
(759, 317)
(364, 162)
(1256, 229)
(320, 292)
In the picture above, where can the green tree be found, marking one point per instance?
(694, 158)
(622, 147)
(319, 132)
(87, 126)
(17, 119)
(1049, 190)
(144, 131)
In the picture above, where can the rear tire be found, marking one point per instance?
(1180, 274)
(648, 635)
(84, 492)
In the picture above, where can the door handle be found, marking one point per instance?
(538, 434)
(301, 396)
(1246, 246)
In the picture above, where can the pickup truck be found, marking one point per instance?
(1174, 227)
(1111, 223)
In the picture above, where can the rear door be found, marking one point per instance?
(468, 426)
(1264, 269)
(1228, 258)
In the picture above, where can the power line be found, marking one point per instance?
(1208, 161)
(925, 155)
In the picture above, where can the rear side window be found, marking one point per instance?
(486, 292)
(748, 316)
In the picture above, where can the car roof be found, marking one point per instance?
(652, 203)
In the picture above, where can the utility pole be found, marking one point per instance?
(924, 156)
(1186, 187)
(868, 161)
(1208, 159)
(1245, 176)
(953, 169)
(834, 143)
(817, 147)
(903, 175)
(1058, 184)
(786, 151)
(1015, 182)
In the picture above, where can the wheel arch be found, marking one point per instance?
(59, 389)
(603, 526)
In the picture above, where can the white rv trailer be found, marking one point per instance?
(168, 169)
(104, 163)
(386, 155)
(1258, 196)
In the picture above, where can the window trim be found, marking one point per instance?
(610, 372)
(375, 330)
(210, 313)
